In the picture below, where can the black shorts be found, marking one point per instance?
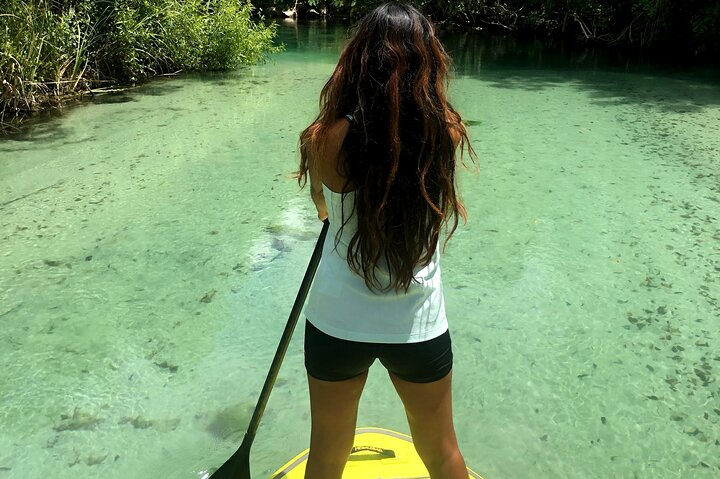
(332, 359)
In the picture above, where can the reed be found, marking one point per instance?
(51, 50)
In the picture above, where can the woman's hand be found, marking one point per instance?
(316, 189)
(319, 199)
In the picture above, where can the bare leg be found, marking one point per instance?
(333, 407)
(429, 411)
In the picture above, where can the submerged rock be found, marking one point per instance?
(208, 296)
(230, 421)
(137, 422)
(280, 245)
(166, 425)
(162, 425)
(166, 365)
(95, 459)
(78, 421)
(275, 229)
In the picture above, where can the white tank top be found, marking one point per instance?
(341, 305)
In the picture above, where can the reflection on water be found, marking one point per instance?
(151, 249)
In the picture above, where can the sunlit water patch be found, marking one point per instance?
(151, 247)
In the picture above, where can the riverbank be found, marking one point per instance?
(53, 53)
(679, 28)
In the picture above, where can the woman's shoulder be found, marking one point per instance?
(336, 134)
(329, 161)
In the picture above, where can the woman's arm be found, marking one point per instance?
(316, 187)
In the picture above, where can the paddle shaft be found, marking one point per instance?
(238, 466)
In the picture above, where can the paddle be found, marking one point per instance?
(238, 466)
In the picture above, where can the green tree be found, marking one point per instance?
(52, 48)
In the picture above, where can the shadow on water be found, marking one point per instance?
(110, 98)
(41, 133)
(612, 76)
(316, 36)
(43, 127)
(159, 86)
(47, 127)
(230, 79)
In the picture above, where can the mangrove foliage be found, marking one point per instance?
(50, 49)
(690, 27)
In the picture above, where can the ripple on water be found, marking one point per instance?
(147, 269)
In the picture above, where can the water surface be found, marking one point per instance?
(151, 245)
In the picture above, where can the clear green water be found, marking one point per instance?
(151, 246)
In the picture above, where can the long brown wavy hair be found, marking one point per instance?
(399, 154)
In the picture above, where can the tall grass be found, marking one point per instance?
(52, 49)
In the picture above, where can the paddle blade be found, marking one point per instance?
(238, 466)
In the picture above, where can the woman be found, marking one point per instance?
(381, 161)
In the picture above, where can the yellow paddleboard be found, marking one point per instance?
(377, 454)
